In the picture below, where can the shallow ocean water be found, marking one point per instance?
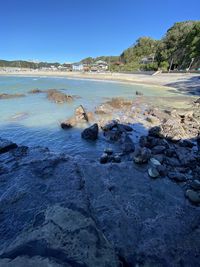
(39, 124)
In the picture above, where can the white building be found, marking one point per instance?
(77, 67)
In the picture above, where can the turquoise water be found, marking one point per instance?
(39, 124)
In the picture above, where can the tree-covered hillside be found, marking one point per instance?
(26, 64)
(178, 48)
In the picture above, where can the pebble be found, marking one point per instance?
(153, 172)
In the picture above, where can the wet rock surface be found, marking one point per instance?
(57, 211)
(58, 97)
(91, 133)
(10, 96)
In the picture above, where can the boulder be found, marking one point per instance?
(91, 133)
(142, 155)
(6, 146)
(127, 144)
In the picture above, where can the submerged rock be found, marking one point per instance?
(6, 146)
(139, 93)
(10, 96)
(36, 91)
(58, 97)
(91, 133)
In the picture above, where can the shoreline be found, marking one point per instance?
(167, 80)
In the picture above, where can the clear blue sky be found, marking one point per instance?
(69, 30)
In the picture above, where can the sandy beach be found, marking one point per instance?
(182, 81)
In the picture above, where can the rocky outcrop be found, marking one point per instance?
(60, 211)
(58, 97)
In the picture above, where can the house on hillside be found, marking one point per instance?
(100, 65)
(77, 66)
(148, 59)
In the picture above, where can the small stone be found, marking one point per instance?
(162, 170)
(193, 196)
(154, 162)
(153, 172)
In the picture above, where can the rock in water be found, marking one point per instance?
(6, 146)
(58, 97)
(80, 114)
(68, 124)
(91, 133)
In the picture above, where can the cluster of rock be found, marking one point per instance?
(177, 159)
(110, 157)
(58, 97)
(61, 211)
